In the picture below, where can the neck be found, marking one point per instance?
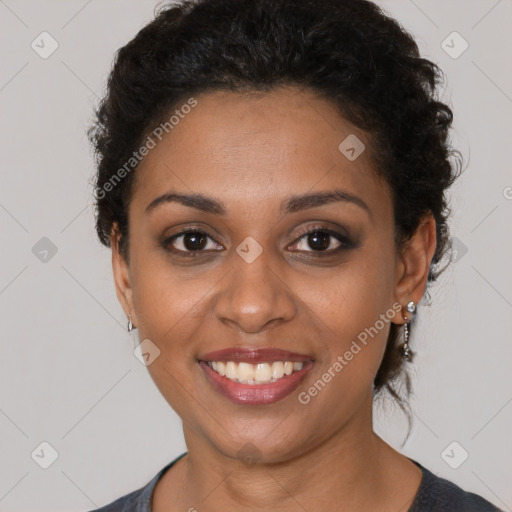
(348, 471)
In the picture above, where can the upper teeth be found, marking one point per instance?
(259, 373)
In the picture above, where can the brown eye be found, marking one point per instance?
(194, 241)
(321, 240)
(190, 241)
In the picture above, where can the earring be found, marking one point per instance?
(130, 324)
(404, 348)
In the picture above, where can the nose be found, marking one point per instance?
(253, 297)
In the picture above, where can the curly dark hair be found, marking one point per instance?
(348, 51)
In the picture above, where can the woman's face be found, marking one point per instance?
(252, 279)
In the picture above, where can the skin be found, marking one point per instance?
(251, 152)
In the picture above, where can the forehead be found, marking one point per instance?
(249, 148)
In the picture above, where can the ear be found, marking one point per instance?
(122, 277)
(414, 262)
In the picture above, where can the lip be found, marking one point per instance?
(254, 356)
(255, 394)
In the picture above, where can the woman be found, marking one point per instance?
(271, 180)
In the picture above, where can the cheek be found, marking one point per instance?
(170, 312)
(354, 306)
(166, 298)
(355, 312)
(352, 297)
(169, 308)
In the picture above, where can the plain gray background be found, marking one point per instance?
(68, 375)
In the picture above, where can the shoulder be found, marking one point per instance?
(437, 494)
(132, 502)
(139, 500)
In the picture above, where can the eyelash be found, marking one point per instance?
(345, 242)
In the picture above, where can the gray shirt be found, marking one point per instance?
(434, 495)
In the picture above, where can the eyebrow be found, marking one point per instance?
(292, 204)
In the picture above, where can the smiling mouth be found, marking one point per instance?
(260, 373)
(248, 376)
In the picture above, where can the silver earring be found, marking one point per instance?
(406, 351)
(130, 324)
(404, 348)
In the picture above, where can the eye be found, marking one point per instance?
(319, 240)
(190, 241)
(322, 240)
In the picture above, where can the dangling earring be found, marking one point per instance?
(404, 348)
(130, 324)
